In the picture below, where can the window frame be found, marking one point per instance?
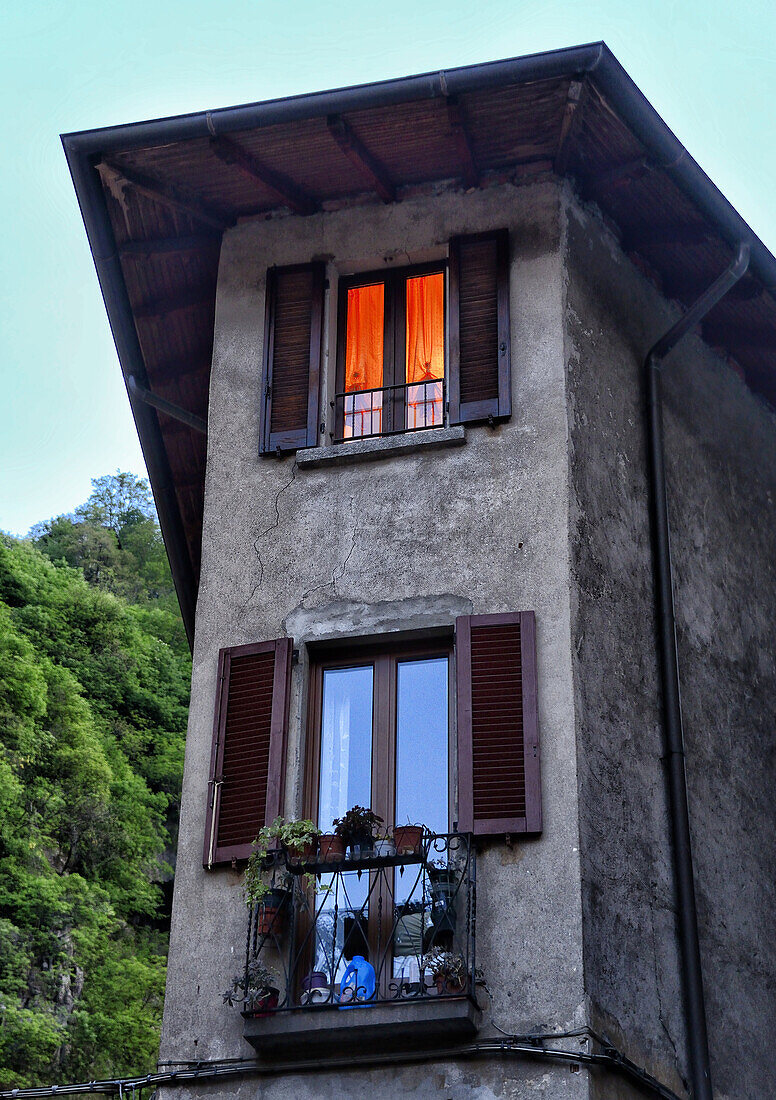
(385, 658)
(394, 341)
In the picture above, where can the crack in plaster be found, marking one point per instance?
(332, 581)
(272, 527)
(657, 983)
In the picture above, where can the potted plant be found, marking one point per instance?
(384, 845)
(357, 828)
(331, 848)
(267, 884)
(255, 989)
(408, 839)
(299, 840)
(448, 970)
(444, 881)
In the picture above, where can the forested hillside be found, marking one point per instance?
(94, 683)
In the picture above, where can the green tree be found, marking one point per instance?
(117, 501)
(94, 678)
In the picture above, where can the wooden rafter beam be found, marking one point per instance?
(187, 298)
(285, 190)
(360, 157)
(724, 334)
(174, 196)
(463, 143)
(194, 367)
(687, 290)
(572, 115)
(623, 174)
(636, 237)
(160, 246)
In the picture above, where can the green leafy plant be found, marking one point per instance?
(357, 826)
(263, 872)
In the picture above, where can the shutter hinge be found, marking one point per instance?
(294, 656)
(502, 347)
(268, 390)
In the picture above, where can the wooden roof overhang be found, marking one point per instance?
(156, 197)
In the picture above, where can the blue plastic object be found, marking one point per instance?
(358, 983)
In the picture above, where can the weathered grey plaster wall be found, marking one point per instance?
(721, 461)
(394, 544)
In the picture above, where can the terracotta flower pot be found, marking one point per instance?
(271, 917)
(308, 853)
(263, 1005)
(331, 849)
(408, 839)
(448, 986)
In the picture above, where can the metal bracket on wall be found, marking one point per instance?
(167, 407)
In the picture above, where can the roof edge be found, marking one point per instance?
(380, 93)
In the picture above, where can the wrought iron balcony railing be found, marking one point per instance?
(389, 410)
(410, 916)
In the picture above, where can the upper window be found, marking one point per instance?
(391, 361)
(415, 348)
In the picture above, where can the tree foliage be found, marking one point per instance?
(94, 680)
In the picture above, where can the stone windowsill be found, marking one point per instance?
(367, 450)
(314, 1032)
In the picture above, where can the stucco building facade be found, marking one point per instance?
(353, 542)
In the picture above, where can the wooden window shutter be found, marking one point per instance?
(480, 376)
(247, 760)
(292, 357)
(499, 782)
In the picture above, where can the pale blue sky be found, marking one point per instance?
(709, 69)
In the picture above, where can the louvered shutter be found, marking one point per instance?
(499, 783)
(247, 761)
(292, 357)
(480, 375)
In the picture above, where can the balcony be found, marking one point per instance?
(409, 916)
(389, 410)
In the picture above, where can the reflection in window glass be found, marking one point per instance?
(421, 792)
(421, 744)
(346, 743)
(345, 781)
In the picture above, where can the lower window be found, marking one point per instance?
(380, 739)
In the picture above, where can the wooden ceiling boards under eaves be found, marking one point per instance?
(178, 195)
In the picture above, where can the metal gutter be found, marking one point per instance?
(382, 93)
(673, 735)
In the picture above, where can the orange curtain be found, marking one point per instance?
(425, 350)
(425, 328)
(364, 338)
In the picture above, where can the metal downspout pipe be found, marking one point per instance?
(676, 779)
